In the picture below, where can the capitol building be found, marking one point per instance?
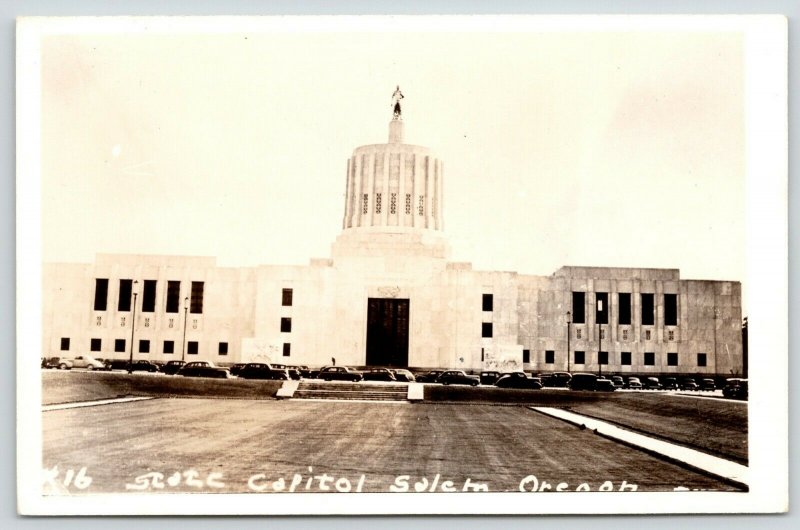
(389, 295)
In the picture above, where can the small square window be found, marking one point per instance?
(649, 358)
(191, 347)
(96, 345)
(286, 325)
(488, 302)
(701, 359)
(602, 357)
(286, 297)
(578, 333)
(602, 333)
(647, 334)
(119, 345)
(526, 356)
(223, 348)
(549, 357)
(486, 329)
(287, 349)
(671, 335)
(672, 359)
(624, 334)
(580, 357)
(625, 358)
(64, 343)
(144, 346)
(169, 347)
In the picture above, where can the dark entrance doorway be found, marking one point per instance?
(387, 332)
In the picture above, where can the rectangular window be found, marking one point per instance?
(601, 311)
(64, 343)
(408, 203)
(149, 296)
(169, 347)
(95, 344)
(624, 300)
(647, 335)
(191, 347)
(119, 345)
(580, 357)
(481, 354)
(287, 349)
(649, 358)
(365, 204)
(421, 207)
(549, 357)
(648, 309)
(578, 308)
(624, 334)
(197, 298)
(701, 359)
(144, 346)
(672, 359)
(286, 325)
(223, 348)
(486, 329)
(125, 294)
(670, 309)
(378, 202)
(286, 297)
(671, 335)
(173, 296)
(602, 334)
(100, 294)
(526, 356)
(488, 302)
(602, 357)
(625, 358)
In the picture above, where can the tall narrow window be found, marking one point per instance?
(486, 329)
(526, 356)
(100, 294)
(64, 343)
(365, 204)
(549, 357)
(624, 300)
(197, 298)
(670, 309)
(488, 302)
(286, 325)
(408, 203)
(421, 206)
(149, 296)
(578, 308)
(287, 349)
(286, 297)
(648, 309)
(378, 201)
(125, 293)
(580, 357)
(173, 296)
(601, 309)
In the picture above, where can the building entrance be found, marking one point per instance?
(387, 332)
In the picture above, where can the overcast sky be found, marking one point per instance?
(596, 149)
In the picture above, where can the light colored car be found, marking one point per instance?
(90, 363)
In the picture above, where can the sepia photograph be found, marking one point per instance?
(497, 264)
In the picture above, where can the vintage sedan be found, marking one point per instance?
(688, 383)
(203, 369)
(457, 377)
(633, 383)
(518, 380)
(379, 374)
(403, 375)
(735, 388)
(430, 377)
(263, 371)
(604, 385)
(557, 379)
(292, 371)
(57, 362)
(618, 381)
(172, 367)
(141, 366)
(670, 383)
(583, 382)
(652, 383)
(489, 377)
(708, 384)
(89, 363)
(340, 373)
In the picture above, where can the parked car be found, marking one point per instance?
(735, 388)
(57, 362)
(489, 377)
(583, 382)
(633, 383)
(557, 379)
(293, 372)
(688, 383)
(90, 363)
(203, 369)
(651, 383)
(457, 377)
(430, 377)
(618, 381)
(604, 385)
(172, 367)
(340, 373)
(670, 383)
(403, 375)
(302, 370)
(708, 384)
(141, 366)
(263, 371)
(518, 380)
(379, 374)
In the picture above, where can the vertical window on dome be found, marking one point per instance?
(393, 204)
(408, 203)
(421, 207)
(365, 204)
(377, 203)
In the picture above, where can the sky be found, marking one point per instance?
(622, 149)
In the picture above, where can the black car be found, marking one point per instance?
(688, 383)
(142, 366)
(457, 377)
(263, 371)
(236, 368)
(379, 374)
(489, 377)
(670, 383)
(651, 383)
(604, 385)
(303, 370)
(293, 372)
(340, 373)
(518, 380)
(583, 382)
(708, 384)
(557, 380)
(735, 388)
(172, 367)
(203, 369)
(430, 377)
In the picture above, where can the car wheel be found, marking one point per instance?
(474, 383)
(62, 366)
(90, 367)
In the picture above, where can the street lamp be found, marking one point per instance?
(185, 315)
(569, 321)
(599, 339)
(133, 323)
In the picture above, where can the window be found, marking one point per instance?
(144, 346)
(578, 333)
(421, 207)
(149, 296)
(125, 294)
(648, 313)
(647, 334)
(377, 203)
(64, 343)
(100, 294)
(365, 204)
(624, 300)
(602, 334)
(119, 345)
(393, 204)
(549, 357)
(601, 311)
(625, 358)
(578, 311)
(526, 356)
(701, 359)
(580, 357)
(481, 354)
(286, 325)
(672, 359)
(671, 335)
(602, 357)
(169, 347)
(286, 297)
(95, 344)
(287, 349)
(196, 306)
(670, 309)
(223, 348)
(649, 358)
(486, 329)
(191, 347)
(173, 296)
(408, 203)
(624, 334)
(488, 302)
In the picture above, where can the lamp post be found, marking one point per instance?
(133, 324)
(599, 339)
(185, 315)
(569, 321)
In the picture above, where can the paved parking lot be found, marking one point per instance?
(230, 445)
